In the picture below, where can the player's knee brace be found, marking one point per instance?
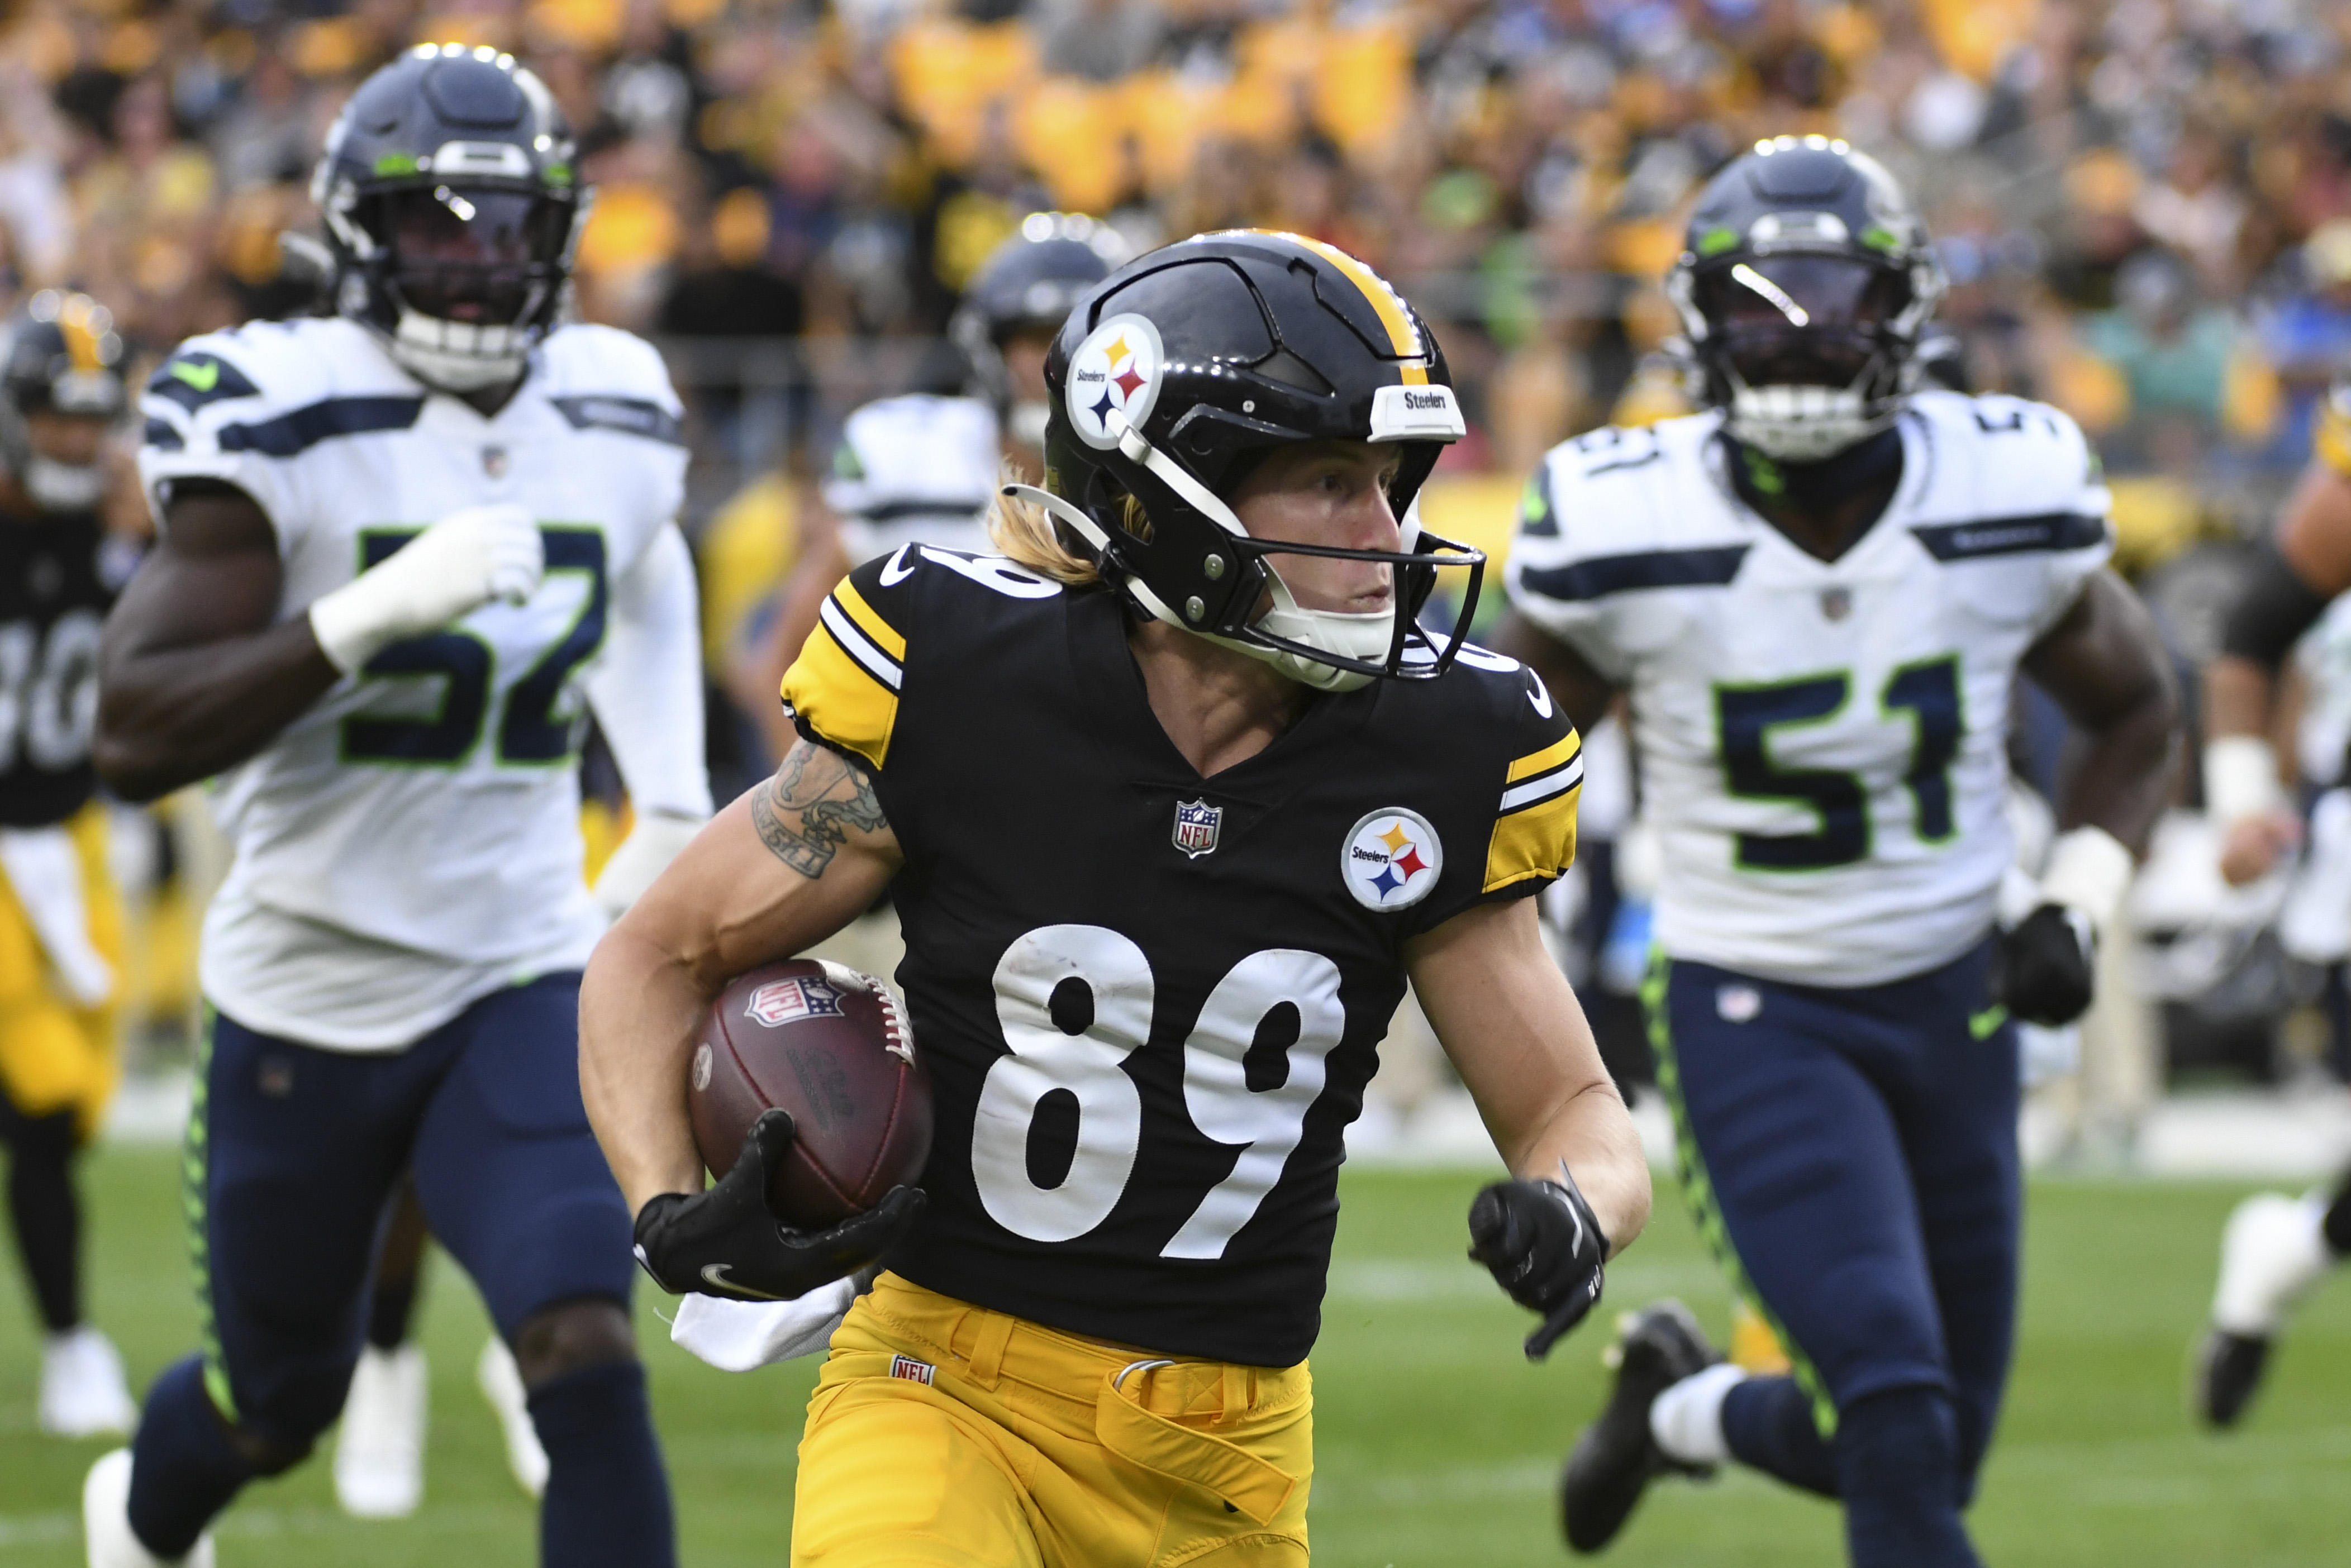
(1899, 1472)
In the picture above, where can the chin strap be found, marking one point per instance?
(1350, 636)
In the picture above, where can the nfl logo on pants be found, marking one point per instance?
(1196, 824)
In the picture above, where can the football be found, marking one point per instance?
(830, 1046)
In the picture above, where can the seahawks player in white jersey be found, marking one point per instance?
(404, 552)
(1816, 594)
(923, 469)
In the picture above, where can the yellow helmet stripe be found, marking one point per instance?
(1404, 336)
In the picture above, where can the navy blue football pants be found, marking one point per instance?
(293, 1154)
(1852, 1153)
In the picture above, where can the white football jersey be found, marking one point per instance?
(917, 469)
(1822, 744)
(412, 842)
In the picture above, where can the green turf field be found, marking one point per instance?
(1436, 1443)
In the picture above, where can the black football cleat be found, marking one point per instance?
(2229, 1369)
(1615, 1459)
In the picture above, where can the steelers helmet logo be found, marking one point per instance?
(1115, 371)
(1391, 859)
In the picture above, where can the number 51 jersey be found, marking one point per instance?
(412, 842)
(1148, 1001)
(1822, 744)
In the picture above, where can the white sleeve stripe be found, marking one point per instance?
(853, 643)
(1543, 786)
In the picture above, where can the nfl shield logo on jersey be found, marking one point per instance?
(1196, 826)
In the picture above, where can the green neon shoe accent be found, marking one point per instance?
(1698, 1190)
(1981, 1024)
(203, 377)
(194, 1163)
(1714, 242)
(393, 164)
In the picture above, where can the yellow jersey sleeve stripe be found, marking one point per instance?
(2334, 441)
(1538, 840)
(839, 696)
(1385, 303)
(868, 620)
(1549, 758)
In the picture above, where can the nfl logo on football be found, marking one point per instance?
(1197, 825)
(779, 1003)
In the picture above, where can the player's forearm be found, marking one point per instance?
(2240, 698)
(1519, 1037)
(2123, 781)
(638, 1006)
(171, 717)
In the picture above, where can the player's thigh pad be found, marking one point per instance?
(1797, 1167)
(291, 1152)
(893, 1476)
(996, 1440)
(506, 1168)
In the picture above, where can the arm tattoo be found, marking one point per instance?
(804, 814)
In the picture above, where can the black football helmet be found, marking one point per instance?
(453, 207)
(1184, 367)
(1028, 284)
(1804, 286)
(58, 354)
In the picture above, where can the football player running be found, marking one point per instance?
(920, 468)
(61, 395)
(1235, 799)
(404, 550)
(1816, 594)
(2275, 1248)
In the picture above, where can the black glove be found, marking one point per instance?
(1543, 1246)
(726, 1242)
(2047, 966)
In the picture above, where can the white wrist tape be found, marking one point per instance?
(2240, 779)
(457, 565)
(2090, 871)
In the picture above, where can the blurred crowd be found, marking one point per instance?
(2144, 205)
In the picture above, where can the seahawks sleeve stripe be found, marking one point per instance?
(1600, 576)
(2049, 531)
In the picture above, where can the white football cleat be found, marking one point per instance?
(2272, 1253)
(380, 1449)
(106, 1522)
(501, 1384)
(82, 1391)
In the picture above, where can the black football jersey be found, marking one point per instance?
(1148, 1001)
(57, 582)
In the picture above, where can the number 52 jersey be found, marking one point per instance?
(1823, 744)
(1149, 1001)
(412, 842)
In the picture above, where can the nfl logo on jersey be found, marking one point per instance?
(1197, 825)
(779, 1003)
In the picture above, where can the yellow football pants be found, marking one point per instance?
(943, 1435)
(54, 1054)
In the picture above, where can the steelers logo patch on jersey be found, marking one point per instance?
(1115, 371)
(1391, 859)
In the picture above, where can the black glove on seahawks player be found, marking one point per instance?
(2047, 963)
(1544, 1246)
(726, 1242)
